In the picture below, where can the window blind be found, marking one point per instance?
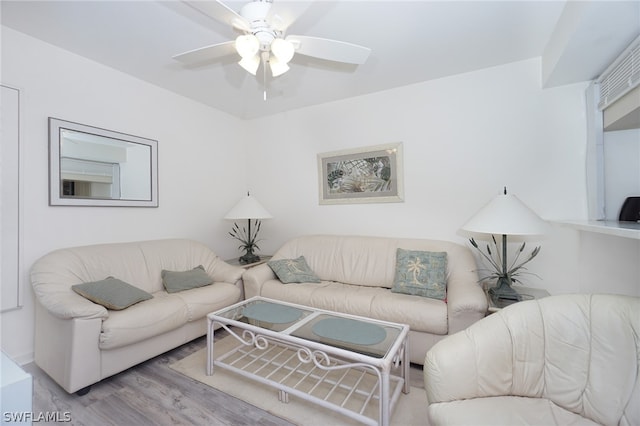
(622, 76)
(85, 170)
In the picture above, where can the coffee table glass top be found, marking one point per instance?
(265, 314)
(361, 335)
(357, 335)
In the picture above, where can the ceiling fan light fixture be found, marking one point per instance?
(283, 50)
(250, 64)
(277, 66)
(263, 39)
(247, 45)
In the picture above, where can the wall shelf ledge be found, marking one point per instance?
(608, 227)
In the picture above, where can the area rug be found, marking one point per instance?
(411, 408)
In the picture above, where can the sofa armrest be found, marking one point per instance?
(222, 271)
(254, 278)
(52, 287)
(466, 300)
(466, 304)
(66, 304)
(67, 349)
(449, 370)
(473, 363)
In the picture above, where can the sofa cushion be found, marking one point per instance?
(420, 313)
(152, 317)
(111, 293)
(204, 300)
(175, 281)
(293, 271)
(421, 273)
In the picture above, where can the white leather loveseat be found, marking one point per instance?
(78, 342)
(357, 274)
(561, 360)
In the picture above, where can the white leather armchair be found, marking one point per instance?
(561, 360)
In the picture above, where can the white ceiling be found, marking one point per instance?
(411, 41)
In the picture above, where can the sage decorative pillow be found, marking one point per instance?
(175, 281)
(421, 273)
(293, 271)
(111, 293)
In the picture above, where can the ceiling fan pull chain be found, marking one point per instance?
(264, 75)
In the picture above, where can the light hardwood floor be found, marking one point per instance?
(151, 393)
(148, 394)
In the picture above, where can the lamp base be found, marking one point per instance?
(249, 258)
(504, 291)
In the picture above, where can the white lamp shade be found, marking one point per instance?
(250, 64)
(248, 208)
(247, 45)
(277, 67)
(506, 215)
(282, 49)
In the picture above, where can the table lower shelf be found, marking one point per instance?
(352, 389)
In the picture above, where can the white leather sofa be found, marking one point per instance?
(357, 273)
(78, 342)
(561, 360)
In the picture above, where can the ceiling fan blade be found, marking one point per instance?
(206, 53)
(282, 15)
(332, 50)
(220, 12)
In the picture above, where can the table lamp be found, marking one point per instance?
(247, 208)
(505, 215)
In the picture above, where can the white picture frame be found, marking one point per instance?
(372, 174)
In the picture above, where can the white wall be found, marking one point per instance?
(465, 137)
(608, 264)
(621, 169)
(201, 162)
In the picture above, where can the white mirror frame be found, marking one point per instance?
(55, 186)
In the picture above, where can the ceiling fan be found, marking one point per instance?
(263, 38)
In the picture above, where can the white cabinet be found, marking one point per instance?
(17, 391)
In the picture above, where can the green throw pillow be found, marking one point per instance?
(111, 293)
(293, 271)
(421, 273)
(184, 280)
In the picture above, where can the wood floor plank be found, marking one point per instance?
(150, 393)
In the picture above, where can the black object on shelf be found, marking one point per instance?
(630, 210)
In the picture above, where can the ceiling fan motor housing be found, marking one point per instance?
(265, 36)
(256, 14)
(256, 10)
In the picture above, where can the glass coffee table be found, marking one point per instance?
(350, 364)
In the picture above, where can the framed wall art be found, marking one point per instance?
(372, 174)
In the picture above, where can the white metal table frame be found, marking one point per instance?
(322, 356)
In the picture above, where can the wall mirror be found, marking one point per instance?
(89, 166)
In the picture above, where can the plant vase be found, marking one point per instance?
(503, 290)
(249, 240)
